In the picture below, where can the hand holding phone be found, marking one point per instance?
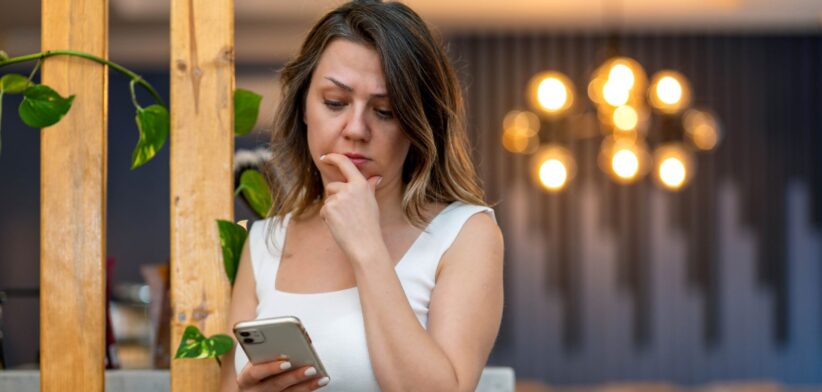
(266, 342)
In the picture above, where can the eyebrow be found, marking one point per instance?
(350, 89)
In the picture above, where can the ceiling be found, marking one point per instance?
(267, 31)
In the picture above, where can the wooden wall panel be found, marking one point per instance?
(73, 201)
(202, 146)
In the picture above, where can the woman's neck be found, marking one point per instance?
(389, 200)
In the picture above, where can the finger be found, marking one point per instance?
(254, 374)
(290, 379)
(373, 182)
(344, 164)
(310, 385)
(333, 188)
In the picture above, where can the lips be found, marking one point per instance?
(357, 159)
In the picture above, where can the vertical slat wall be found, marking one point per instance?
(73, 201)
(202, 146)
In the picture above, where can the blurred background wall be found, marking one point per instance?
(718, 281)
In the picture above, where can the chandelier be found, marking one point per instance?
(625, 102)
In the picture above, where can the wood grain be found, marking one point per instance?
(73, 201)
(202, 147)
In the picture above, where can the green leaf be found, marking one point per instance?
(221, 344)
(232, 238)
(14, 83)
(256, 192)
(3, 56)
(153, 124)
(191, 345)
(194, 345)
(42, 106)
(246, 110)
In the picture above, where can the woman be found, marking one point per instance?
(381, 242)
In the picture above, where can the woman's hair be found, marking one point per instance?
(425, 96)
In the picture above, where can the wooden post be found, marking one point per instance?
(202, 148)
(73, 201)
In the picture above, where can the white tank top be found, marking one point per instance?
(334, 319)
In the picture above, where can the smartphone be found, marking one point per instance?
(264, 340)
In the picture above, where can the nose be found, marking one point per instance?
(356, 127)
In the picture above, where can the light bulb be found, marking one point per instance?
(625, 164)
(615, 94)
(622, 76)
(519, 140)
(702, 129)
(553, 174)
(674, 165)
(552, 94)
(672, 172)
(523, 120)
(552, 167)
(669, 90)
(625, 118)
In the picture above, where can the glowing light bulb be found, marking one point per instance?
(625, 118)
(701, 127)
(669, 90)
(622, 75)
(705, 137)
(672, 172)
(519, 140)
(595, 88)
(553, 174)
(552, 94)
(615, 94)
(552, 167)
(625, 163)
(524, 120)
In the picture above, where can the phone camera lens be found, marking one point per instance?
(244, 334)
(248, 340)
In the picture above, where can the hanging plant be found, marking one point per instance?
(42, 107)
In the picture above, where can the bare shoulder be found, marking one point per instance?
(482, 224)
(479, 244)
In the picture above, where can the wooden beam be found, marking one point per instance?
(73, 201)
(202, 150)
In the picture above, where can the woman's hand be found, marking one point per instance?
(278, 376)
(350, 209)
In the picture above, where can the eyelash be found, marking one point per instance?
(337, 105)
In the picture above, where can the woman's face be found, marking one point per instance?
(347, 111)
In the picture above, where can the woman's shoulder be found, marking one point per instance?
(469, 211)
(470, 233)
(458, 218)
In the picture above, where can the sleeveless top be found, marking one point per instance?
(334, 319)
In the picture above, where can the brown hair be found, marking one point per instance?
(425, 95)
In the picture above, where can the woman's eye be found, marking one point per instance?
(333, 105)
(384, 114)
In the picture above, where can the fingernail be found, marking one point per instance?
(379, 181)
(323, 381)
(322, 157)
(285, 366)
(310, 372)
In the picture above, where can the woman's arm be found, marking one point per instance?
(269, 376)
(466, 304)
(463, 319)
(243, 307)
